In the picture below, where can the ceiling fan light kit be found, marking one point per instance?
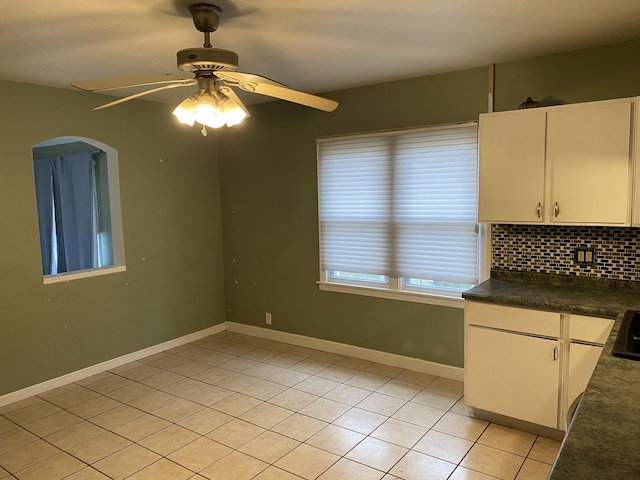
(210, 107)
(215, 71)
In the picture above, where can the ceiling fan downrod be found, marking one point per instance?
(206, 19)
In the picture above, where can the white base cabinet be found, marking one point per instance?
(582, 361)
(518, 377)
(526, 364)
(586, 338)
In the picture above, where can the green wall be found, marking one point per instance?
(269, 194)
(601, 73)
(180, 215)
(172, 235)
(270, 222)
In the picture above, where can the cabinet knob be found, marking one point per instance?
(539, 210)
(556, 209)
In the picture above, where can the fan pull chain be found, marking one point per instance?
(204, 131)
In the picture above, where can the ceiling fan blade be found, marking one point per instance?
(147, 92)
(113, 83)
(233, 96)
(257, 84)
(237, 77)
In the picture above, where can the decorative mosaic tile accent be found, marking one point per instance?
(551, 248)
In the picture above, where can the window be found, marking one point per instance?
(398, 211)
(78, 203)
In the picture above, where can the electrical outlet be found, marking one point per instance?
(585, 256)
(267, 318)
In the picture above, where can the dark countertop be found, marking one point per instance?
(562, 293)
(604, 437)
(603, 441)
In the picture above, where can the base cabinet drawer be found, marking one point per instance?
(589, 329)
(535, 322)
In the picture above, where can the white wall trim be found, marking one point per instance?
(400, 361)
(104, 366)
(94, 272)
(402, 295)
(395, 360)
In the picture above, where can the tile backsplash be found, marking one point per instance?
(550, 249)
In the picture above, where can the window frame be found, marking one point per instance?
(115, 213)
(395, 288)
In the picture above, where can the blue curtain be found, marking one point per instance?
(43, 169)
(64, 190)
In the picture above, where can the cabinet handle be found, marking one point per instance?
(555, 354)
(539, 209)
(556, 209)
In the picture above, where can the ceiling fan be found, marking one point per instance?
(215, 71)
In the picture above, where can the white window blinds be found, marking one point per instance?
(401, 203)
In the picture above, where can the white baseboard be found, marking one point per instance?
(415, 364)
(104, 366)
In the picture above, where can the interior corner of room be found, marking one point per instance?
(220, 230)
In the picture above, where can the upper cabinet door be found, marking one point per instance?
(512, 167)
(589, 154)
(636, 169)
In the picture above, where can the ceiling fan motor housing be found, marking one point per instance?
(194, 60)
(206, 17)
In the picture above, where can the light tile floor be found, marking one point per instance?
(235, 407)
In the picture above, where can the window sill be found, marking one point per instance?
(66, 277)
(429, 299)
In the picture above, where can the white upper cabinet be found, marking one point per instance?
(511, 173)
(557, 165)
(589, 152)
(636, 181)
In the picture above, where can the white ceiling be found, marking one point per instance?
(314, 46)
